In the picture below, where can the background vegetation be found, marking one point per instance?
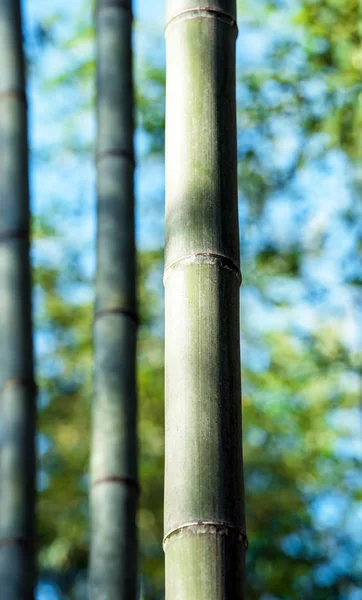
(299, 116)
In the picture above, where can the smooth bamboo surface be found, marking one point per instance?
(114, 485)
(205, 536)
(17, 387)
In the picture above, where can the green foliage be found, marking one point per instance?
(333, 47)
(291, 452)
(301, 376)
(65, 379)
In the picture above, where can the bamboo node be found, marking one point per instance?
(18, 541)
(203, 12)
(13, 93)
(130, 314)
(208, 527)
(210, 258)
(15, 234)
(117, 153)
(20, 382)
(128, 481)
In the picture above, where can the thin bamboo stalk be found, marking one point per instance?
(205, 538)
(114, 484)
(17, 386)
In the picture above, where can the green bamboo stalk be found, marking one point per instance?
(114, 491)
(205, 537)
(17, 386)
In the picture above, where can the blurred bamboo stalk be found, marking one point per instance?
(205, 538)
(17, 386)
(114, 483)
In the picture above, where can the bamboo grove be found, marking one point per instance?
(205, 538)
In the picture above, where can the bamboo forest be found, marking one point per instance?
(180, 300)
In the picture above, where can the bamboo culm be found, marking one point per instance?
(205, 539)
(114, 479)
(17, 386)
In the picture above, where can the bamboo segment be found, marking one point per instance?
(17, 387)
(114, 491)
(206, 563)
(205, 537)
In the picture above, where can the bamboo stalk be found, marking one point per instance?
(205, 537)
(17, 386)
(114, 491)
